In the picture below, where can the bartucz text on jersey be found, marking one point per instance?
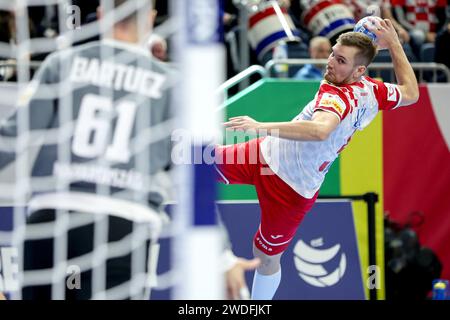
(117, 76)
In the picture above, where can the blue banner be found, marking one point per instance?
(322, 261)
(204, 21)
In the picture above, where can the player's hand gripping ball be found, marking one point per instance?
(359, 27)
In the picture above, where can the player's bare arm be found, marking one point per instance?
(406, 79)
(318, 128)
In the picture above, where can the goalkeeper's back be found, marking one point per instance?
(119, 95)
(101, 118)
(109, 105)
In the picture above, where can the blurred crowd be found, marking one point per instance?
(44, 23)
(422, 25)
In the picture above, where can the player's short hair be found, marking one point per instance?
(366, 48)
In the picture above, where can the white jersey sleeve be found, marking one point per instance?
(388, 95)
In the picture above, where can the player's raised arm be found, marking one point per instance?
(406, 79)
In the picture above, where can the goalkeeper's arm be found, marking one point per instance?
(39, 108)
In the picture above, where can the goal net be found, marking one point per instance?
(84, 149)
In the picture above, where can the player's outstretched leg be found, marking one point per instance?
(267, 276)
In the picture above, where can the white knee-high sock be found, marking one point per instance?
(264, 287)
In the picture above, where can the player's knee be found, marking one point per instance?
(269, 264)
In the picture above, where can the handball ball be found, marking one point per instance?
(359, 27)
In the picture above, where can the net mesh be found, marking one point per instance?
(85, 189)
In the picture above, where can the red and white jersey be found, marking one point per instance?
(421, 13)
(303, 164)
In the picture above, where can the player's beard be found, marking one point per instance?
(331, 77)
(327, 76)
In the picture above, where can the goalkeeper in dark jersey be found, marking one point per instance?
(100, 113)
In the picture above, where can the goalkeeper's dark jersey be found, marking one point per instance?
(101, 114)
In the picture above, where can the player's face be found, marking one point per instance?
(341, 68)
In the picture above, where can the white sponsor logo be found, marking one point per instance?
(392, 93)
(277, 236)
(310, 262)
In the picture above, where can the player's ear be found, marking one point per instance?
(360, 70)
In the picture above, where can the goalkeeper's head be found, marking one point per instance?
(131, 21)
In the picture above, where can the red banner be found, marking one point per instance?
(416, 161)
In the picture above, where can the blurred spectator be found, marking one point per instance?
(7, 27)
(8, 35)
(231, 30)
(329, 18)
(87, 8)
(442, 45)
(319, 48)
(274, 35)
(230, 14)
(386, 13)
(162, 7)
(233, 11)
(410, 267)
(381, 8)
(8, 32)
(295, 12)
(421, 18)
(44, 20)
